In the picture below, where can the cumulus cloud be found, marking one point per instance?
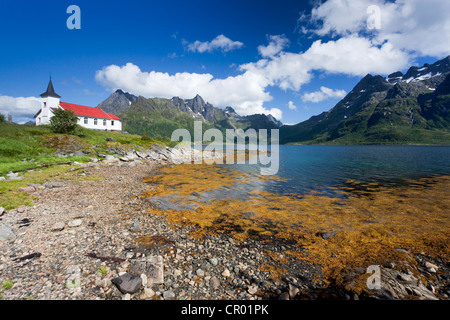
(277, 43)
(22, 109)
(323, 94)
(419, 27)
(292, 106)
(245, 92)
(220, 42)
(408, 29)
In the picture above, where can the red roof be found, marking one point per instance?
(88, 111)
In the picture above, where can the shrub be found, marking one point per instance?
(63, 121)
(2, 118)
(146, 138)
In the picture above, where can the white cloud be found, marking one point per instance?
(245, 92)
(408, 29)
(276, 44)
(22, 109)
(291, 106)
(417, 26)
(324, 94)
(221, 43)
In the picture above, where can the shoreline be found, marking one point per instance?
(105, 230)
(98, 227)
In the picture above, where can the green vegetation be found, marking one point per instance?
(103, 270)
(6, 285)
(63, 121)
(157, 118)
(2, 118)
(378, 113)
(32, 151)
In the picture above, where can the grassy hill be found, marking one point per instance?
(38, 143)
(33, 151)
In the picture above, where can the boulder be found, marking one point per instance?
(6, 233)
(53, 184)
(151, 266)
(127, 283)
(26, 189)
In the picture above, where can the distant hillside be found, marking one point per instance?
(400, 109)
(158, 117)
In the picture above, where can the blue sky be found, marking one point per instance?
(292, 59)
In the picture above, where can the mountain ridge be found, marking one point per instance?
(160, 116)
(410, 108)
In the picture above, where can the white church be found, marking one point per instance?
(88, 117)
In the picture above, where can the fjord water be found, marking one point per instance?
(320, 167)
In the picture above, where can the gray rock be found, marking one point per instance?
(2, 211)
(200, 273)
(53, 184)
(327, 235)
(26, 189)
(110, 158)
(127, 283)
(75, 223)
(110, 139)
(58, 226)
(168, 295)
(151, 266)
(6, 233)
(293, 290)
(214, 282)
(213, 261)
(253, 289)
(103, 283)
(283, 296)
(136, 226)
(141, 155)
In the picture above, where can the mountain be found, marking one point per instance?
(399, 109)
(160, 117)
(117, 102)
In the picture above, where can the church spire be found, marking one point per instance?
(50, 91)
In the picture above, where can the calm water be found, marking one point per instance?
(321, 167)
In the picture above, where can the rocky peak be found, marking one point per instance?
(427, 71)
(117, 102)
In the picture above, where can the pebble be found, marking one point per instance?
(200, 272)
(58, 226)
(168, 295)
(214, 268)
(226, 273)
(75, 223)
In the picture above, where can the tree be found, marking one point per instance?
(63, 121)
(2, 118)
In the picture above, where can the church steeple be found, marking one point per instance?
(50, 91)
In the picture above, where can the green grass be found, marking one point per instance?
(19, 142)
(103, 270)
(7, 285)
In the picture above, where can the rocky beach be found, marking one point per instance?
(96, 238)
